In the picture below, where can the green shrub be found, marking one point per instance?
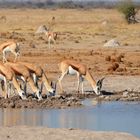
(129, 11)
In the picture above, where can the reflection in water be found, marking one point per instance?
(106, 116)
(10, 117)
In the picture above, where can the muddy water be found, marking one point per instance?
(110, 116)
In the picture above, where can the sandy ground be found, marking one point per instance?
(111, 83)
(81, 39)
(41, 133)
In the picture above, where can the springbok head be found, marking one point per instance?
(52, 90)
(53, 85)
(99, 86)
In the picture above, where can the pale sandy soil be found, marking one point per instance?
(112, 83)
(41, 133)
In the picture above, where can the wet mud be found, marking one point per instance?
(68, 100)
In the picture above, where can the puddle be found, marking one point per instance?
(105, 116)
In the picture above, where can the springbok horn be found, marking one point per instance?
(53, 84)
(41, 88)
(102, 79)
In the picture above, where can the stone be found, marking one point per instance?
(112, 43)
(125, 93)
(12, 105)
(41, 29)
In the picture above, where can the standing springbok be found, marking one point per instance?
(10, 46)
(51, 37)
(3, 19)
(72, 67)
(51, 23)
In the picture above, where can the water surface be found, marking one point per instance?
(110, 116)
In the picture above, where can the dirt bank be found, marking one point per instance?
(47, 102)
(41, 133)
(68, 100)
(115, 88)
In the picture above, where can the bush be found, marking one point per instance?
(40, 5)
(69, 4)
(129, 11)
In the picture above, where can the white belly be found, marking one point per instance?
(72, 71)
(7, 49)
(2, 77)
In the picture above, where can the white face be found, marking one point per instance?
(39, 96)
(22, 95)
(97, 90)
(18, 53)
(98, 87)
(52, 91)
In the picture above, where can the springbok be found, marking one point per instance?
(73, 67)
(51, 23)
(3, 19)
(25, 74)
(39, 74)
(7, 78)
(51, 37)
(10, 46)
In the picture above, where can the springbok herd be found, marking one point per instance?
(15, 75)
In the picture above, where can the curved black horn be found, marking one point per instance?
(41, 87)
(102, 79)
(53, 84)
(99, 83)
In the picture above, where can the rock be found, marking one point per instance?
(108, 58)
(18, 106)
(107, 98)
(5, 105)
(132, 95)
(41, 29)
(94, 102)
(104, 23)
(68, 103)
(12, 105)
(71, 129)
(71, 98)
(58, 96)
(125, 93)
(101, 97)
(112, 43)
(113, 67)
